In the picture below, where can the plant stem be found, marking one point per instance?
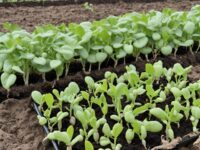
(66, 69)
(198, 47)
(191, 50)
(124, 60)
(116, 62)
(43, 77)
(83, 65)
(69, 147)
(147, 57)
(90, 67)
(99, 66)
(176, 49)
(26, 78)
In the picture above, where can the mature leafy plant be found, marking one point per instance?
(54, 48)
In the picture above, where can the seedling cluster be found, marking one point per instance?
(54, 48)
(129, 106)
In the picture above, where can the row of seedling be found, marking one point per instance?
(100, 113)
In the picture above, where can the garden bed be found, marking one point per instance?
(27, 134)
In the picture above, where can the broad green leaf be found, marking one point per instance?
(129, 117)
(143, 132)
(106, 130)
(7, 80)
(59, 136)
(140, 43)
(156, 36)
(195, 112)
(39, 60)
(129, 135)
(70, 131)
(86, 37)
(189, 27)
(128, 48)
(62, 115)
(159, 113)
(100, 57)
(88, 145)
(139, 110)
(121, 54)
(42, 120)
(18, 69)
(85, 95)
(146, 50)
(153, 126)
(92, 58)
(149, 69)
(117, 129)
(84, 53)
(104, 141)
(166, 50)
(176, 92)
(48, 98)
(72, 89)
(108, 49)
(187, 43)
(55, 63)
(37, 97)
(90, 82)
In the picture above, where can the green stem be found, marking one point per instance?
(99, 66)
(191, 50)
(116, 62)
(146, 56)
(67, 68)
(43, 77)
(69, 147)
(176, 49)
(198, 47)
(90, 68)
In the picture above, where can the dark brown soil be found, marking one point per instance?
(66, 2)
(29, 17)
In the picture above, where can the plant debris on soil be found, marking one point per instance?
(19, 127)
(29, 17)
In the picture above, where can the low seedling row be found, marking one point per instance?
(119, 111)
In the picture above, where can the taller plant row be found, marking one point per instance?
(51, 47)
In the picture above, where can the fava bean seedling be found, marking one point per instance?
(111, 108)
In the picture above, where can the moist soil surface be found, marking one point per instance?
(29, 17)
(19, 128)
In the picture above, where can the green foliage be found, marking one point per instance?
(50, 47)
(90, 109)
